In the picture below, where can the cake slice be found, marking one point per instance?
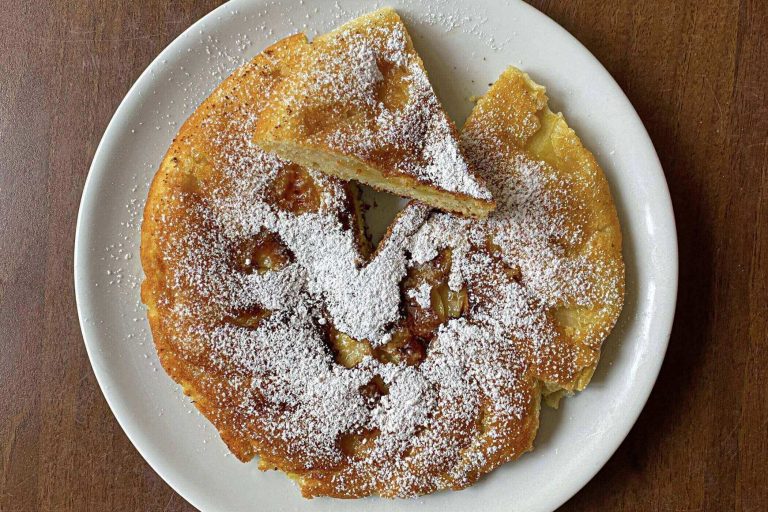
(360, 107)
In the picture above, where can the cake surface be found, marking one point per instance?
(416, 368)
(360, 106)
(555, 233)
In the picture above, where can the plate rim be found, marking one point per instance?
(665, 316)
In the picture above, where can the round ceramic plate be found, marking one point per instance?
(465, 46)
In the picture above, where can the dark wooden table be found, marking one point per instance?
(697, 72)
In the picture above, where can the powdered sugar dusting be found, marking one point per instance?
(421, 295)
(467, 406)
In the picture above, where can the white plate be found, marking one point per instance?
(465, 45)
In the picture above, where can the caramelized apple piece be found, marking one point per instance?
(294, 190)
(261, 253)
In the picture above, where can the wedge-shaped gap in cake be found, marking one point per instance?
(379, 212)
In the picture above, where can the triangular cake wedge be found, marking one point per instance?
(360, 107)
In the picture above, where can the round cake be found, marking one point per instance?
(398, 371)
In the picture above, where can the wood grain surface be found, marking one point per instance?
(696, 71)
